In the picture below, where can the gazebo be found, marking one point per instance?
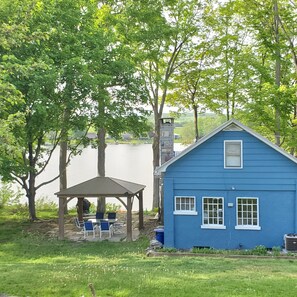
(103, 187)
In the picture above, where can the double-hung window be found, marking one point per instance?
(185, 205)
(233, 154)
(247, 213)
(213, 213)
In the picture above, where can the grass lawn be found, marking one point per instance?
(33, 265)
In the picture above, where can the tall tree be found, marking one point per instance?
(191, 83)
(72, 24)
(32, 76)
(160, 30)
(272, 98)
(228, 69)
(117, 92)
(54, 88)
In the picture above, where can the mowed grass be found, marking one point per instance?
(31, 264)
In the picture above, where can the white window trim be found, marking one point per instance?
(213, 226)
(185, 212)
(247, 227)
(241, 154)
(243, 227)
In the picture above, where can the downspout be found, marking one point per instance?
(295, 216)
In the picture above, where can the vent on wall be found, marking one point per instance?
(291, 242)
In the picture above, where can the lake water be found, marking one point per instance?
(133, 163)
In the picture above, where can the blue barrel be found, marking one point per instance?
(160, 235)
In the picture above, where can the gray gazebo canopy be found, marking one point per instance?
(103, 187)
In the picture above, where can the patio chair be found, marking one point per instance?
(89, 227)
(111, 215)
(79, 225)
(99, 215)
(105, 227)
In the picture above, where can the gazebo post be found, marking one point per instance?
(129, 218)
(61, 218)
(140, 216)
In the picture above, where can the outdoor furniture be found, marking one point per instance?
(89, 227)
(105, 227)
(99, 215)
(117, 228)
(78, 224)
(111, 215)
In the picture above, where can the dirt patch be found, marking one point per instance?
(149, 225)
(50, 227)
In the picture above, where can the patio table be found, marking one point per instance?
(97, 221)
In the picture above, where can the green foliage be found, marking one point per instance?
(151, 212)
(93, 207)
(196, 250)
(168, 250)
(276, 250)
(259, 250)
(8, 196)
(206, 123)
(64, 68)
(112, 207)
(44, 203)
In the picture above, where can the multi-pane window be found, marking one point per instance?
(213, 212)
(233, 153)
(185, 205)
(247, 213)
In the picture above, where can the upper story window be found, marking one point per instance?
(233, 154)
(247, 213)
(185, 205)
(213, 213)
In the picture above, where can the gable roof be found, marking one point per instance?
(102, 186)
(230, 125)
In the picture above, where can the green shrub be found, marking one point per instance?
(206, 251)
(93, 207)
(259, 250)
(44, 203)
(112, 207)
(276, 250)
(168, 250)
(8, 196)
(151, 212)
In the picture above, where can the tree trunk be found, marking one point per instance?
(156, 161)
(63, 169)
(277, 71)
(195, 108)
(63, 155)
(227, 106)
(101, 165)
(31, 190)
(31, 193)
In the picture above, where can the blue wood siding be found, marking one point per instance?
(263, 167)
(266, 174)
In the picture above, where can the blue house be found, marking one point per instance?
(231, 189)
